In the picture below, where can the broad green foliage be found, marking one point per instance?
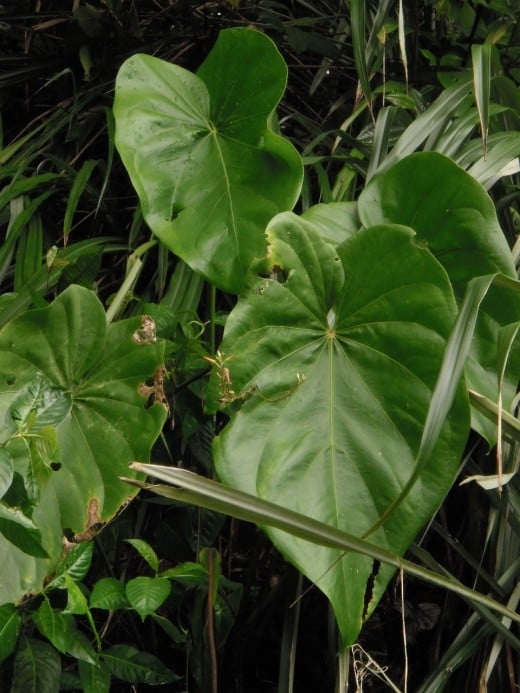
(208, 169)
(336, 368)
(328, 366)
(73, 417)
(456, 220)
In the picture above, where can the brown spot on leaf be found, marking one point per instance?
(93, 522)
(146, 333)
(153, 389)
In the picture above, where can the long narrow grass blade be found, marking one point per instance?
(465, 644)
(45, 279)
(385, 119)
(506, 338)
(357, 24)
(481, 58)
(25, 185)
(29, 253)
(501, 159)
(452, 367)
(378, 21)
(436, 116)
(499, 640)
(510, 425)
(21, 214)
(205, 493)
(76, 191)
(111, 130)
(402, 39)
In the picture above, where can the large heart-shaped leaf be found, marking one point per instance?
(334, 370)
(208, 169)
(455, 218)
(63, 367)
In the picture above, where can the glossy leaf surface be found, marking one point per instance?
(208, 169)
(334, 371)
(455, 219)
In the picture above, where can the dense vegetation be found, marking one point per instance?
(282, 254)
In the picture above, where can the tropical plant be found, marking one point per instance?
(369, 85)
(348, 327)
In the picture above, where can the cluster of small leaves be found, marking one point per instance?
(96, 664)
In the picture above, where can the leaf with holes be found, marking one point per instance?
(207, 167)
(334, 371)
(64, 366)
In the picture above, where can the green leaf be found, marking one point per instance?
(172, 631)
(60, 630)
(146, 552)
(193, 489)
(80, 647)
(108, 593)
(75, 563)
(187, 573)
(98, 369)
(27, 573)
(21, 531)
(348, 346)
(53, 625)
(146, 594)
(37, 668)
(481, 59)
(94, 678)
(10, 624)
(80, 182)
(77, 603)
(6, 471)
(129, 664)
(207, 167)
(455, 219)
(40, 404)
(357, 21)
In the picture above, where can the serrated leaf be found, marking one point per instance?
(146, 552)
(127, 663)
(10, 623)
(175, 129)
(146, 594)
(37, 668)
(334, 372)
(108, 593)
